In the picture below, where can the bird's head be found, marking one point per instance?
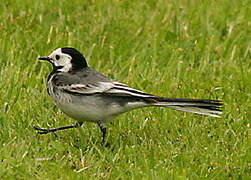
(66, 59)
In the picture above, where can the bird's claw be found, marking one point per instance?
(41, 131)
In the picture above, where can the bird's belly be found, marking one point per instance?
(87, 111)
(95, 108)
(91, 108)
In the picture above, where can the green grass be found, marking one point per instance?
(192, 49)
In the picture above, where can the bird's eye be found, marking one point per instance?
(57, 57)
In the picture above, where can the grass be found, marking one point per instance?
(193, 49)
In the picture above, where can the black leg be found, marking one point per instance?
(45, 131)
(103, 130)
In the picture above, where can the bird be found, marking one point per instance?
(89, 96)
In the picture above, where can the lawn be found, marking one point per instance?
(182, 49)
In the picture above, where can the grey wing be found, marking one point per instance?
(108, 88)
(91, 82)
(87, 81)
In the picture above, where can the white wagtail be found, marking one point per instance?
(87, 95)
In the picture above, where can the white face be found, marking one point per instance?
(61, 59)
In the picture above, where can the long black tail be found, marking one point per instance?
(198, 106)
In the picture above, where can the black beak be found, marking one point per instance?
(44, 58)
